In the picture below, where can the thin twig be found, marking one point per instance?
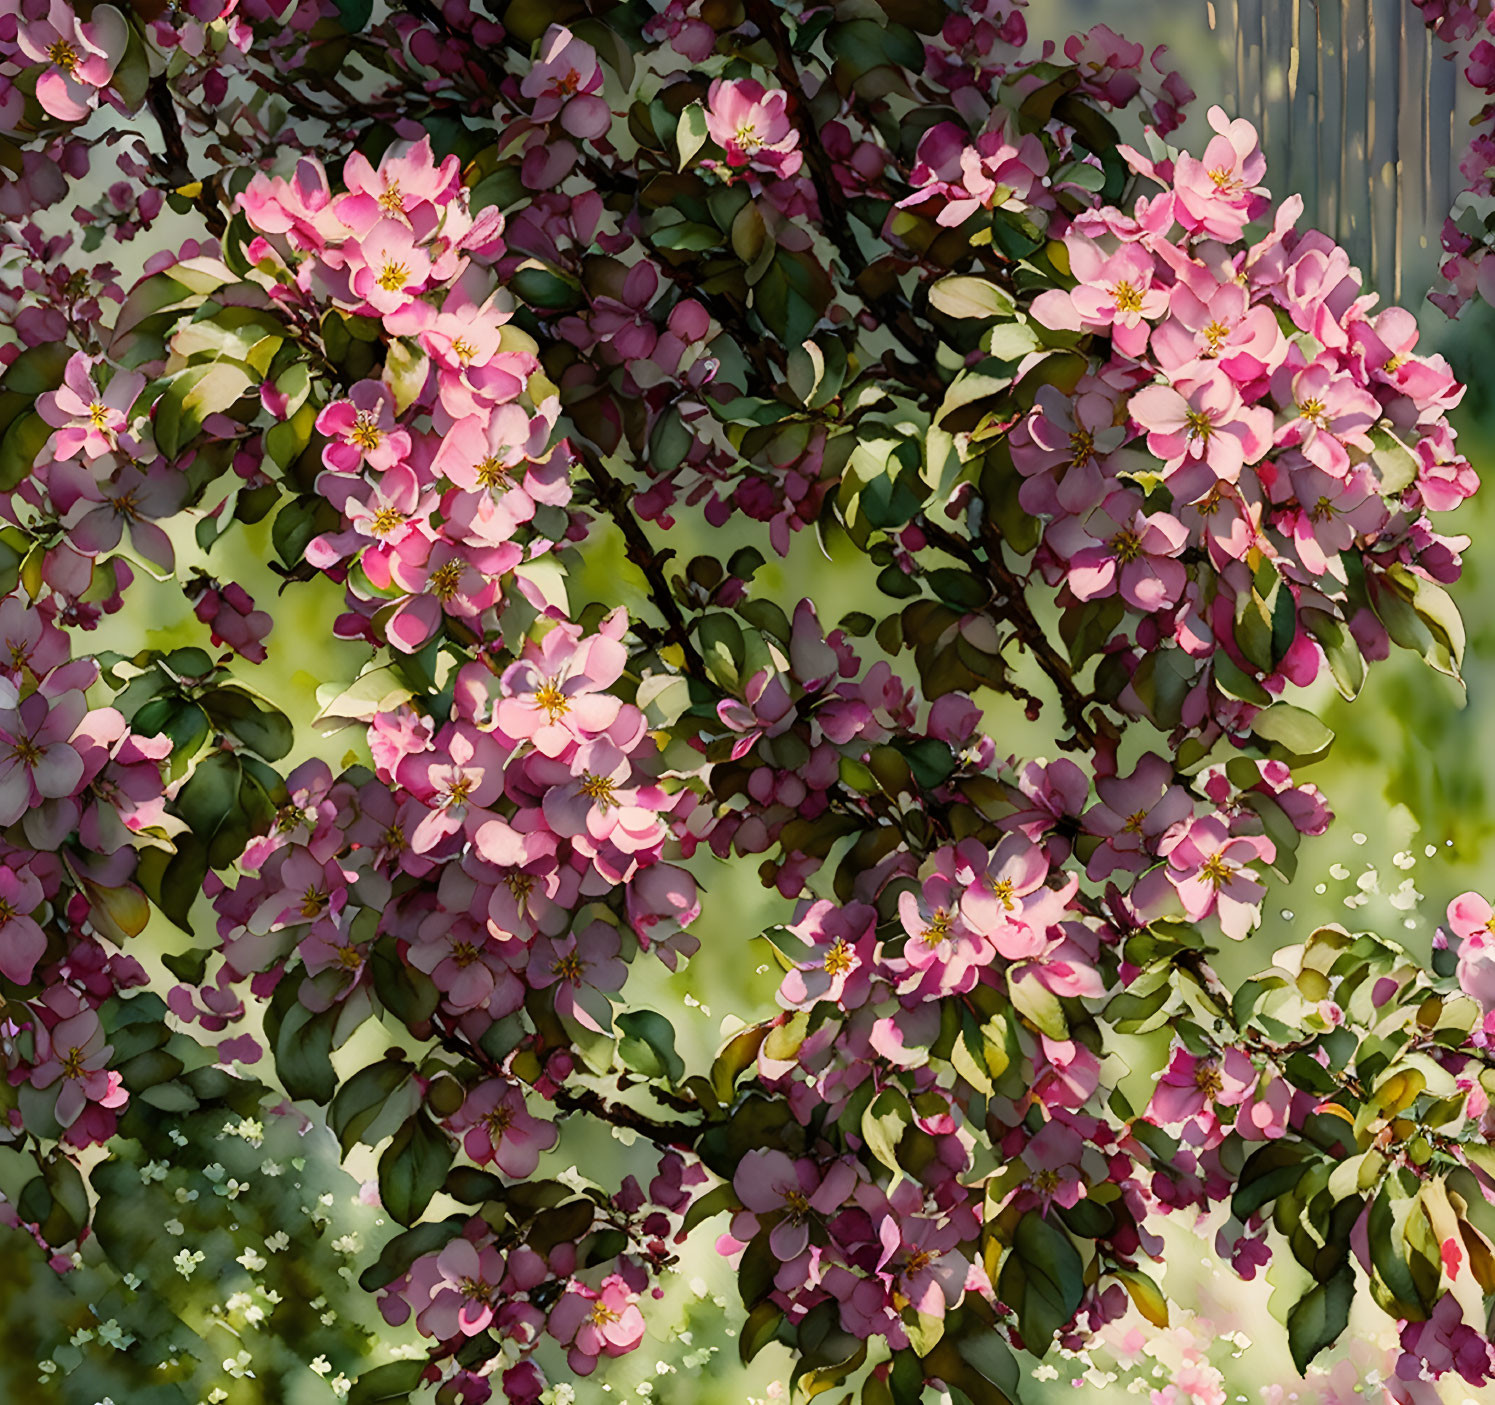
(1012, 603)
(681, 1136)
(175, 168)
(613, 496)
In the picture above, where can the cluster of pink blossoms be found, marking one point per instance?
(484, 853)
(77, 788)
(456, 446)
(1227, 460)
(1282, 446)
(1469, 30)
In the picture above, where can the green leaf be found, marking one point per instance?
(1042, 1280)
(286, 440)
(1034, 1000)
(759, 1329)
(37, 369)
(363, 1097)
(406, 370)
(302, 1043)
(1292, 733)
(407, 993)
(210, 794)
(648, 1045)
(1269, 1172)
(1010, 341)
(20, 448)
(1346, 662)
(404, 1249)
(688, 235)
(1146, 1295)
(354, 15)
(690, 133)
(884, 1121)
(191, 396)
(396, 1380)
(1320, 1316)
(250, 719)
(961, 295)
(413, 1167)
(174, 881)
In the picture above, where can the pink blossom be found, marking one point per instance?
(498, 1128)
(1220, 193)
(1117, 548)
(22, 941)
(468, 1280)
(88, 421)
(1207, 867)
(771, 1185)
(564, 81)
(1116, 293)
(387, 266)
(604, 1322)
(411, 187)
(1192, 1087)
(1207, 435)
(752, 126)
(1472, 921)
(74, 1051)
(37, 758)
(81, 56)
(585, 969)
(362, 430)
(556, 694)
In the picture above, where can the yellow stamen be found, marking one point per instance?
(839, 959)
(393, 277)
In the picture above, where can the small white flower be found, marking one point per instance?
(271, 1168)
(252, 1130)
(237, 1302)
(187, 1260)
(238, 1366)
(328, 1318)
(347, 1244)
(153, 1171)
(131, 1282)
(176, 1137)
(340, 1386)
(175, 1227)
(232, 1188)
(321, 1365)
(80, 1336)
(112, 1334)
(252, 1261)
(278, 1241)
(185, 1196)
(215, 1172)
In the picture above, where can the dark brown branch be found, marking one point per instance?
(677, 1135)
(891, 310)
(613, 496)
(1011, 605)
(680, 1136)
(175, 168)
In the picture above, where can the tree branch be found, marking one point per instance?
(175, 169)
(679, 1136)
(613, 495)
(1012, 601)
(892, 311)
